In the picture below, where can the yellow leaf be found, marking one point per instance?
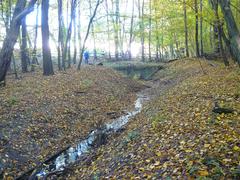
(207, 145)
(203, 173)
(158, 154)
(148, 160)
(236, 148)
(188, 150)
(141, 169)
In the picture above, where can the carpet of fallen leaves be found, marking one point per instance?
(176, 136)
(39, 115)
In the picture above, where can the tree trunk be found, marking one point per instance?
(12, 35)
(74, 37)
(24, 53)
(150, 31)
(47, 60)
(88, 30)
(116, 30)
(108, 30)
(196, 28)
(233, 31)
(69, 32)
(79, 31)
(218, 32)
(60, 37)
(141, 27)
(34, 53)
(185, 28)
(131, 33)
(201, 28)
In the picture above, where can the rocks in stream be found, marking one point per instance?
(100, 139)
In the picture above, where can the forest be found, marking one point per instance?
(119, 89)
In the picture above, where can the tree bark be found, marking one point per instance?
(47, 60)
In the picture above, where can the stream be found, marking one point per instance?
(96, 137)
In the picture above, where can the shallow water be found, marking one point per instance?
(74, 153)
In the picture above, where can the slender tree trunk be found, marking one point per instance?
(196, 28)
(116, 29)
(88, 30)
(34, 56)
(141, 24)
(24, 53)
(47, 60)
(68, 45)
(201, 28)
(60, 36)
(150, 30)
(69, 32)
(93, 33)
(131, 32)
(79, 31)
(185, 28)
(108, 30)
(74, 37)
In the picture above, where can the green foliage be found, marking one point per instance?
(158, 120)
(13, 100)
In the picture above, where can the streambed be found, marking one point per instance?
(95, 138)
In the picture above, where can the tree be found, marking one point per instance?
(34, 53)
(61, 62)
(24, 50)
(12, 35)
(233, 32)
(141, 26)
(196, 28)
(88, 30)
(47, 60)
(185, 28)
